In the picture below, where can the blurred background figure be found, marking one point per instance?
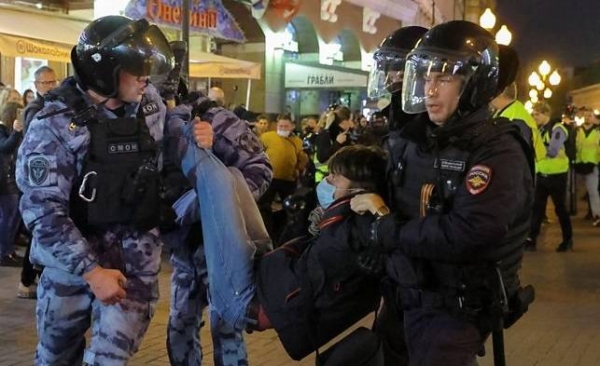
(587, 158)
(28, 97)
(45, 80)
(261, 125)
(217, 95)
(10, 137)
(288, 159)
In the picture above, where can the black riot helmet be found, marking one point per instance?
(388, 60)
(456, 48)
(509, 66)
(113, 43)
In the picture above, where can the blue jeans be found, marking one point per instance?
(189, 287)
(9, 222)
(232, 229)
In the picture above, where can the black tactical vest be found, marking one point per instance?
(119, 183)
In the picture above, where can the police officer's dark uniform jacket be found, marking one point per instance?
(465, 207)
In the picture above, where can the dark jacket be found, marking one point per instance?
(312, 289)
(31, 110)
(9, 143)
(326, 143)
(463, 198)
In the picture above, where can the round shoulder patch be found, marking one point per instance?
(478, 178)
(39, 168)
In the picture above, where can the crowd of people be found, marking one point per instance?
(424, 208)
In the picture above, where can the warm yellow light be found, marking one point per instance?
(540, 86)
(529, 106)
(534, 79)
(533, 93)
(487, 19)
(544, 68)
(547, 93)
(554, 78)
(504, 36)
(534, 99)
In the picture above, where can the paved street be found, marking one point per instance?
(561, 328)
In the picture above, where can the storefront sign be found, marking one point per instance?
(301, 76)
(26, 47)
(206, 16)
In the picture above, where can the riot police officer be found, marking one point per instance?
(388, 72)
(88, 171)
(461, 197)
(386, 78)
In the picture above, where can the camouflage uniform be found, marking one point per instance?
(50, 159)
(235, 145)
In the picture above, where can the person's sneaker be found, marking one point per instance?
(10, 261)
(596, 222)
(26, 292)
(565, 246)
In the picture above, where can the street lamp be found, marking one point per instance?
(541, 83)
(488, 21)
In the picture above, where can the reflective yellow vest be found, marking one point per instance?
(321, 169)
(558, 164)
(588, 147)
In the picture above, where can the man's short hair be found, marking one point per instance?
(262, 116)
(285, 116)
(542, 107)
(217, 95)
(42, 70)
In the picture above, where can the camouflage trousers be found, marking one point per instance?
(66, 306)
(188, 301)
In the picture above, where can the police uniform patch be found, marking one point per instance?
(150, 108)
(39, 170)
(249, 142)
(478, 178)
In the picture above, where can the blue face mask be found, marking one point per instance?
(325, 192)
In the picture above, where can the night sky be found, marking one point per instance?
(564, 32)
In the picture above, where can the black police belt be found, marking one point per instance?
(411, 298)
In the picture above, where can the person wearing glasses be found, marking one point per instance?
(45, 80)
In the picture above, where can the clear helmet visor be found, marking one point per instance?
(144, 51)
(386, 74)
(427, 76)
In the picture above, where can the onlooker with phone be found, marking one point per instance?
(45, 80)
(10, 137)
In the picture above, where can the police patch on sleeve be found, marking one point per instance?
(42, 171)
(249, 142)
(478, 178)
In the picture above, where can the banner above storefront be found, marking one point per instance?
(26, 47)
(311, 77)
(206, 16)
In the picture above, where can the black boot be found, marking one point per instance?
(530, 245)
(565, 246)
